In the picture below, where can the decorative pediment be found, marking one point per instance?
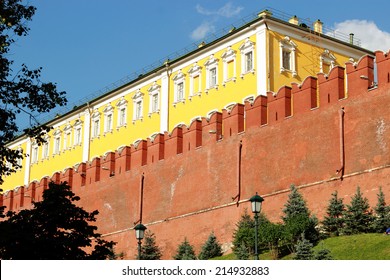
(108, 108)
(138, 94)
(121, 102)
(212, 60)
(179, 76)
(195, 69)
(247, 45)
(229, 54)
(154, 87)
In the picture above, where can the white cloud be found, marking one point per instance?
(228, 10)
(202, 30)
(207, 27)
(371, 36)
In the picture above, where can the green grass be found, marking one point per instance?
(373, 246)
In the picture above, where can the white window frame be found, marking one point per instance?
(250, 99)
(95, 128)
(122, 112)
(108, 119)
(195, 71)
(211, 64)
(288, 46)
(57, 142)
(248, 47)
(154, 95)
(19, 161)
(46, 148)
(179, 87)
(67, 137)
(138, 106)
(78, 132)
(34, 153)
(229, 56)
(327, 58)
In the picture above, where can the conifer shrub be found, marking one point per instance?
(211, 248)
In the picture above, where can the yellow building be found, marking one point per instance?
(260, 56)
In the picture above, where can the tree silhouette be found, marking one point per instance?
(54, 229)
(21, 91)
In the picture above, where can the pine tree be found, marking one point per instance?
(304, 250)
(242, 252)
(323, 254)
(295, 205)
(244, 235)
(211, 248)
(185, 251)
(358, 216)
(382, 214)
(333, 221)
(297, 220)
(149, 249)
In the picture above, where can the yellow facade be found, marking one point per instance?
(260, 57)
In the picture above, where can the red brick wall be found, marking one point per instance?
(193, 178)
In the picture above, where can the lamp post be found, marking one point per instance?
(256, 201)
(139, 234)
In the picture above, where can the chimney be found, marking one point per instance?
(351, 38)
(294, 20)
(317, 26)
(265, 13)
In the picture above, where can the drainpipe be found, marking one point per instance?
(342, 144)
(238, 174)
(141, 198)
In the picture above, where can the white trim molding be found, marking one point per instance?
(287, 56)
(195, 74)
(211, 73)
(154, 98)
(229, 56)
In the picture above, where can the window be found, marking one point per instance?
(95, 124)
(96, 128)
(154, 99)
(138, 106)
(179, 87)
(19, 161)
(45, 149)
(108, 122)
(287, 56)
(57, 142)
(195, 80)
(108, 118)
(247, 57)
(138, 110)
(229, 65)
(67, 137)
(180, 91)
(77, 132)
(212, 73)
(34, 153)
(248, 62)
(122, 112)
(286, 59)
(327, 62)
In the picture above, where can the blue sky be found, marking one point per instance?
(85, 45)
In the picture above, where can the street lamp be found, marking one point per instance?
(139, 234)
(256, 201)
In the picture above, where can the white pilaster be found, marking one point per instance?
(261, 60)
(28, 163)
(164, 112)
(87, 134)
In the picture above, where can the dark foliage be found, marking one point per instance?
(185, 251)
(149, 248)
(54, 229)
(21, 91)
(358, 216)
(381, 219)
(333, 221)
(211, 248)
